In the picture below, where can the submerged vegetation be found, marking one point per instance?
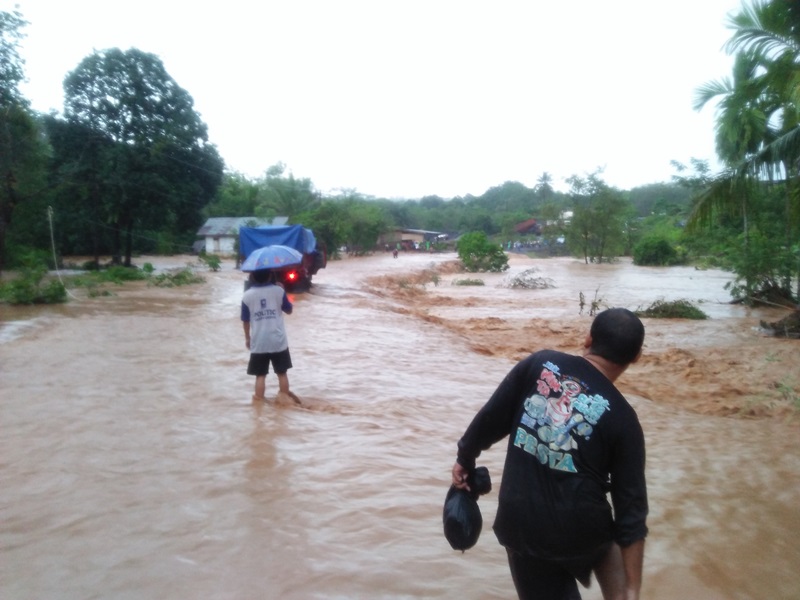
(674, 309)
(469, 281)
(529, 279)
(183, 276)
(478, 253)
(788, 326)
(34, 285)
(31, 286)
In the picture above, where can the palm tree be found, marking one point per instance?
(741, 131)
(772, 29)
(758, 136)
(543, 186)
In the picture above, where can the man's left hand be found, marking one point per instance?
(460, 476)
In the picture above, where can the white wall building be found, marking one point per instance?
(221, 233)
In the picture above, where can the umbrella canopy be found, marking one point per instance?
(272, 257)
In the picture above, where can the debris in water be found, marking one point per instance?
(788, 327)
(528, 279)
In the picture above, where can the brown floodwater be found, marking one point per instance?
(135, 466)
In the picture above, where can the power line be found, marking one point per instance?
(53, 246)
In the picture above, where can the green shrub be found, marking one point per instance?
(20, 257)
(676, 309)
(30, 287)
(655, 252)
(468, 282)
(212, 261)
(53, 292)
(182, 277)
(477, 253)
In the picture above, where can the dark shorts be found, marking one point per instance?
(259, 363)
(540, 579)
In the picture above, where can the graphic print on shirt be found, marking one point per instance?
(265, 313)
(556, 416)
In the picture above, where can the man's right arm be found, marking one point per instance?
(493, 421)
(632, 564)
(619, 573)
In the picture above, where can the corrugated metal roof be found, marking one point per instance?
(222, 226)
(531, 225)
(423, 231)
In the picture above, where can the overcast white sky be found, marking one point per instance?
(406, 98)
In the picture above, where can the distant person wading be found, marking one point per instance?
(263, 306)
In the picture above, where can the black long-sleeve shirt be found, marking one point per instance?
(573, 439)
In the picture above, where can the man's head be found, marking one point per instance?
(263, 276)
(617, 335)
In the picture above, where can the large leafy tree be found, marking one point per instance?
(330, 223)
(153, 160)
(285, 195)
(366, 222)
(350, 220)
(12, 66)
(236, 197)
(22, 150)
(596, 230)
(78, 203)
(512, 195)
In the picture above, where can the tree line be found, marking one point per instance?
(128, 168)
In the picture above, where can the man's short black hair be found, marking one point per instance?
(617, 335)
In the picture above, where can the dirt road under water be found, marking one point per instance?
(134, 464)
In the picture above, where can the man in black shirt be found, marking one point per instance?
(573, 438)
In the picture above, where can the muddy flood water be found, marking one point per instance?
(134, 464)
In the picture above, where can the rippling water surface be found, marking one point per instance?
(134, 464)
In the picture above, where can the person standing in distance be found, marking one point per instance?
(263, 305)
(573, 438)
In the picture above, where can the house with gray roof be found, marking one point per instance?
(219, 234)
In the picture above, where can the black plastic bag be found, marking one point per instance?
(461, 516)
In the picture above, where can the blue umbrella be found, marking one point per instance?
(272, 257)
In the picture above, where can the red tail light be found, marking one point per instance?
(291, 275)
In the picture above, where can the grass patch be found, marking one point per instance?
(32, 285)
(116, 275)
(789, 394)
(468, 282)
(676, 309)
(183, 277)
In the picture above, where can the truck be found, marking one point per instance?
(296, 277)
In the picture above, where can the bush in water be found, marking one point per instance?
(676, 309)
(477, 253)
(30, 287)
(655, 252)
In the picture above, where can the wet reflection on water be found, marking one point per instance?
(135, 466)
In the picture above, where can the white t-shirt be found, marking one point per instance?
(263, 306)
